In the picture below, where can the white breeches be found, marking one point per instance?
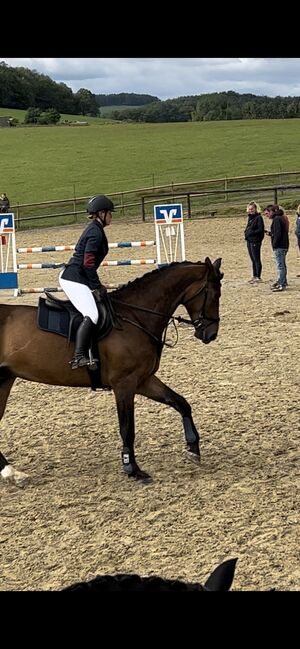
(82, 298)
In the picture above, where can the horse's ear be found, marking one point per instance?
(217, 263)
(222, 577)
(208, 263)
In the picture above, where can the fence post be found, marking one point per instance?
(189, 206)
(143, 209)
(17, 219)
(275, 195)
(74, 207)
(122, 204)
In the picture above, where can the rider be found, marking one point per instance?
(79, 279)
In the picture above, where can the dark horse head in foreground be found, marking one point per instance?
(219, 580)
(130, 354)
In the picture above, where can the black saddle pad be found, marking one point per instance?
(63, 319)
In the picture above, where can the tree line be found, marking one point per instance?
(23, 88)
(211, 107)
(125, 99)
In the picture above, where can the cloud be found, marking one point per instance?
(172, 77)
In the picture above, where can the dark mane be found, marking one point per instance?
(219, 580)
(132, 582)
(142, 282)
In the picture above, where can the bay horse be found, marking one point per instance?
(130, 354)
(219, 580)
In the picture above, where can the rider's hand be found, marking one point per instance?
(99, 293)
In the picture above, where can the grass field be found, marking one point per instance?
(47, 163)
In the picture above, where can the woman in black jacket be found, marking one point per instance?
(279, 233)
(80, 280)
(254, 234)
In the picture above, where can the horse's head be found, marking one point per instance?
(203, 304)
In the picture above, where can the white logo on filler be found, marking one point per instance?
(3, 224)
(168, 216)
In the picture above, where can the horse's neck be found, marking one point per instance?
(164, 293)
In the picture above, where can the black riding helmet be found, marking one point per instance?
(98, 204)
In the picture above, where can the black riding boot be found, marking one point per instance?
(81, 356)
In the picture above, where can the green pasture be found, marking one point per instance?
(20, 114)
(48, 163)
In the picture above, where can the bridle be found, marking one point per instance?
(200, 323)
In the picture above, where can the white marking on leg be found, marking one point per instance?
(14, 476)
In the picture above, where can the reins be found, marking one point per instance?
(171, 320)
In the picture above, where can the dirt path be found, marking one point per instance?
(80, 516)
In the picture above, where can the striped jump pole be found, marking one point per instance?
(117, 244)
(105, 263)
(122, 262)
(58, 289)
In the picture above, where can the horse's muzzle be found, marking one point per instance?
(207, 333)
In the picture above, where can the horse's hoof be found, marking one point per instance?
(194, 457)
(13, 476)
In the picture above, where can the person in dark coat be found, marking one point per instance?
(254, 234)
(4, 203)
(79, 279)
(279, 233)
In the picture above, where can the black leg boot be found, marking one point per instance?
(81, 356)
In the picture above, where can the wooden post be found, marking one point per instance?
(122, 203)
(189, 206)
(143, 209)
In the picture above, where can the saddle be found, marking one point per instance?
(61, 317)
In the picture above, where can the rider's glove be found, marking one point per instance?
(99, 293)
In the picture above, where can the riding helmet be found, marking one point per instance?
(99, 203)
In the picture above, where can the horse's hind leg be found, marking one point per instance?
(154, 389)
(7, 470)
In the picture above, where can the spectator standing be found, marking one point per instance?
(4, 203)
(254, 234)
(280, 243)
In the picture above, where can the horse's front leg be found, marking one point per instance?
(125, 405)
(155, 389)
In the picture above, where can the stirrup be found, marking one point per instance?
(83, 361)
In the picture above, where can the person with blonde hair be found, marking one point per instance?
(254, 234)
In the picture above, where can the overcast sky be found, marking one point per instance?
(167, 78)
